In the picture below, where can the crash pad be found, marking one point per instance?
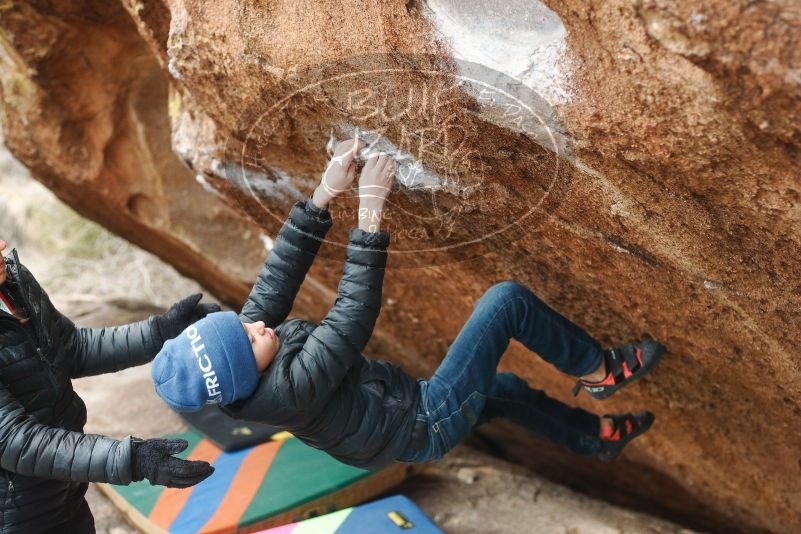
(255, 488)
(393, 515)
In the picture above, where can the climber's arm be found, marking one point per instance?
(337, 343)
(298, 242)
(279, 281)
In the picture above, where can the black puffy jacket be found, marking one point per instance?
(319, 387)
(45, 459)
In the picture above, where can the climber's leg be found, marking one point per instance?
(509, 310)
(578, 430)
(511, 398)
(453, 399)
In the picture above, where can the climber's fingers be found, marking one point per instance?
(371, 162)
(348, 149)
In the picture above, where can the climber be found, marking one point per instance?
(313, 381)
(46, 460)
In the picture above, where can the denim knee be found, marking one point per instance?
(503, 291)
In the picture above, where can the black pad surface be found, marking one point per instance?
(227, 433)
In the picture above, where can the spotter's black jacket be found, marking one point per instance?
(320, 387)
(45, 458)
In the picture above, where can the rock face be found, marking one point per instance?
(635, 162)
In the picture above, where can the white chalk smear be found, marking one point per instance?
(173, 69)
(199, 178)
(411, 173)
(275, 183)
(522, 39)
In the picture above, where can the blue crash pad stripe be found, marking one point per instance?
(207, 496)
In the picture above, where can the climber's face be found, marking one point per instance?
(264, 342)
(3, 246)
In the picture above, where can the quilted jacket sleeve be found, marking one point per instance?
(95, 351)
(35, 450)
(280, 279)
(337, 343)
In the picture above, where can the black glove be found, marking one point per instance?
(153, 459)
(183, 314)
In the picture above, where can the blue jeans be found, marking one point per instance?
(467, 390)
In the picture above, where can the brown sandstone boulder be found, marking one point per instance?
(635, 162)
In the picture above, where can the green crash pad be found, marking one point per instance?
(263, 486)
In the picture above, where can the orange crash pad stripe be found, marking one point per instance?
(172, 500)
(243, 488)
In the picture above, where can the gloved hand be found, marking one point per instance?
(153, 460)
(183, 314)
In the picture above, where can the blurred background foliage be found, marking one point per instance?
(74, 258)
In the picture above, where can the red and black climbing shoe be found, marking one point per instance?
(624, 365)
(626, 427)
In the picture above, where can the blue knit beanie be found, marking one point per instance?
(211, 362)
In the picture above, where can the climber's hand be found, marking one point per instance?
(375, 184)
(339, 173)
